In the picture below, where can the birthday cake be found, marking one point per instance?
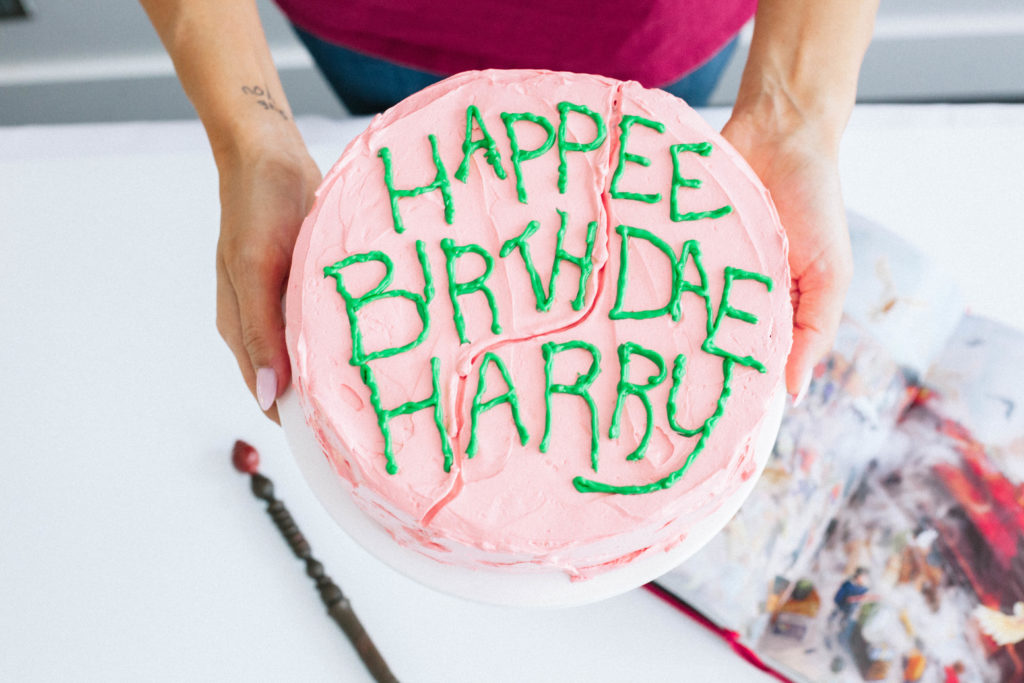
(536, 320)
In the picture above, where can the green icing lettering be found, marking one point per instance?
(521, 155)
(678, 370)
(625, 126)
(440, 183)
(726, 310)
(485, 143)
(584, 485)
(522, 244)
(384, 415)
(585, 263)
(626, 388)
(353, 304)
(457, 289)
(578, 388)
(691, 249)
(563, 138)
(678, 181)
(479, 405)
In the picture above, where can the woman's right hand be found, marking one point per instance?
(267, 186)
(267, 178)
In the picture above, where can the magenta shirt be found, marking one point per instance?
(651, 41)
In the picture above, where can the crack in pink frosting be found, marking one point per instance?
(512, 506)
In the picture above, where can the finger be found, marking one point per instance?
(258, 276)
(818, 308)
(249, 294)
(228, 324)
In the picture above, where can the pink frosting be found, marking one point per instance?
(512, 505)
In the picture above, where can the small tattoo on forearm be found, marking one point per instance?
(264, 99)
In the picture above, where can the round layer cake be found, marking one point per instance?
(536, 320)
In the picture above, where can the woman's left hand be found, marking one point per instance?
(799, 166)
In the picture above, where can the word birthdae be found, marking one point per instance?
(506, 164)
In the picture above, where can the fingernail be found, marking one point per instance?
(803, 390)
(266, 387)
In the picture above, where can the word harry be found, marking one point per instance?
(690, 253)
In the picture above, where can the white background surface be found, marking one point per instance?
(129, 548)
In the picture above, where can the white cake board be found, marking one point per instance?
(494, 585)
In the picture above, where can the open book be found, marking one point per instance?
(885, 540)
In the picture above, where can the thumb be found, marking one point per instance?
(259, 286)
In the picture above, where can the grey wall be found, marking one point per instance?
(101, 61)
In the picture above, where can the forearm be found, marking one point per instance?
(225, 67)
(804, 61)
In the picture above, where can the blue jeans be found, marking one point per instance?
(367, 85)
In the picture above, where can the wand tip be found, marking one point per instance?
(245, 458)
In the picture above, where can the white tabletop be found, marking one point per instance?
(129, 548)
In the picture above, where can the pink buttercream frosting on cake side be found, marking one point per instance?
(513, 505)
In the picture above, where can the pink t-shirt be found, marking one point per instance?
(651, 41)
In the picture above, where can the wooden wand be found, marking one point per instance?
(247, 460)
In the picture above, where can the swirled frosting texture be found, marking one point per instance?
(512, 505)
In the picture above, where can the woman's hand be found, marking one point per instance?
(798, 165)
(798, 89)
(267, 178)
(266, 189)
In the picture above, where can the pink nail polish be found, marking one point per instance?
(266, 387)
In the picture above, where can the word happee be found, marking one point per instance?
(518, 155)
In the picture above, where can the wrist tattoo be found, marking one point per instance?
(264, 99)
